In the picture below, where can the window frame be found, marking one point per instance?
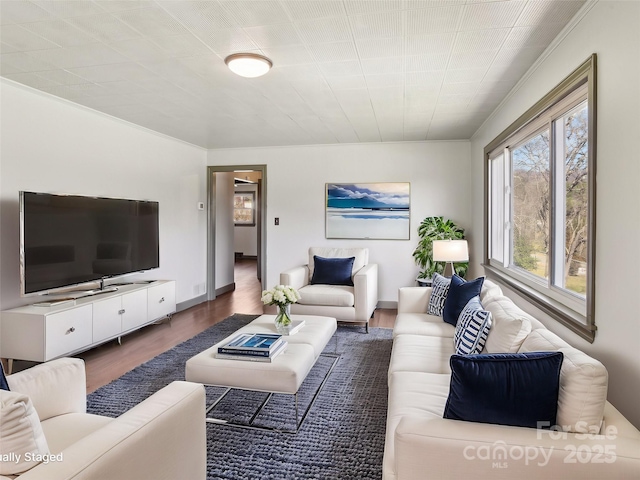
(575, 313)
(247, 194)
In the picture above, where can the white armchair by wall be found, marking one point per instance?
(345, 303)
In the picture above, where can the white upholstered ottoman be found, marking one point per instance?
(284, 374)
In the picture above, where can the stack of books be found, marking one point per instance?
(253, 347)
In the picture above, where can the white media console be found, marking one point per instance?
(42, 333)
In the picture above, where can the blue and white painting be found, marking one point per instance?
(368, 210)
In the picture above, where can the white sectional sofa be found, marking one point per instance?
(596, 440)
(163, 437)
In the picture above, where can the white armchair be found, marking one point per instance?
(345, 303)
(163, 437)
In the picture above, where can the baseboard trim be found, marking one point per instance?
(387, 304)
(191, 303)
(227, 288)
(232, 286)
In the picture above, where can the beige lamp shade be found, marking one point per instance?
(450, 251)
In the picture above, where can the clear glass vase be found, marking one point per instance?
(283, 319)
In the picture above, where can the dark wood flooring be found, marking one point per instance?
(111, 360)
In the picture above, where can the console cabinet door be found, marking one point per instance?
(42, 333)
(68, 331)
(162, 300)
(107, 319)
(135, 309)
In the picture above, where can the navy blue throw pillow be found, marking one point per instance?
(518, 389)
(460, 292)
(3, 380)
(332, 271)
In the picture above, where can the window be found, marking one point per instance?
(244, 211)
(540, 184)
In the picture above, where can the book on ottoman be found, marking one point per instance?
(252, 356)
(252, 344)
(295, 327)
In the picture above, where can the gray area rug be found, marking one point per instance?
(342, 437)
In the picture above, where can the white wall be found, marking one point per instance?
(245, 236)
(225, 256)
(295, 192)
(612, 30)
(50, 145)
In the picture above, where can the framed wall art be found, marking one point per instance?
(368, 210)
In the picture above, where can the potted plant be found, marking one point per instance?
(435, 228)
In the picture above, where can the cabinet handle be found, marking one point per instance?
(120, 312)
(161, 300)
(71, 330)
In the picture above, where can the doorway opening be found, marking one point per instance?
(236, 245)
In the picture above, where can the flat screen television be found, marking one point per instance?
(68, 240)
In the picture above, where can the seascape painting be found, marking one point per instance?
(368, 210)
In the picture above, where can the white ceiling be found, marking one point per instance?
(344, 71)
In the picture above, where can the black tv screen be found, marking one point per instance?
(67, 240)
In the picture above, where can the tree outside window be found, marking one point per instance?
(541, 202)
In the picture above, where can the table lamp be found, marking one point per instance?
(450, 251)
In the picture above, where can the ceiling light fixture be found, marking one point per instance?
(248, 65)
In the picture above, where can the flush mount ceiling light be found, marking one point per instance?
(248, 65)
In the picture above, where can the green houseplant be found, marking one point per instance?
(430, 229)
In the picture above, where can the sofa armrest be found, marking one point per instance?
(163, 438)
(55, 388)
(297, 277)
(365, 291)
(456, 449)
(413, 299)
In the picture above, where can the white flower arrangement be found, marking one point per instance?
(280, 295)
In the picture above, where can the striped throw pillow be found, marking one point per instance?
(439, 292)
(472, 329)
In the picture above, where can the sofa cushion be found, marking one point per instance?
(439, 291)
(418, 353)
(361, 256)
(411, 394)
(20, 433)
(65, 430)
(414, 299)
(518, 389)
(55, 387)
(472, 328)
(332, 271)
(489, 289)
(460, 292)
(583, 383)
(510, 326)
(329, 295)
(421, 324)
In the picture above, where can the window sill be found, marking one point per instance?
(567, 317)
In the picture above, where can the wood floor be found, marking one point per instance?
(109, 361)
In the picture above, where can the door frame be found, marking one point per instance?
(211, 223)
